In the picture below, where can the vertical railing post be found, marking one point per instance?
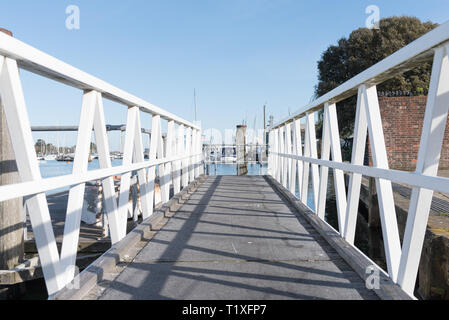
(293, 162)
(339, 179)
(428, 162)
(23, 144)
(384, 188)
(168, 166)
(192, 156)
(189, 153)
(306, 166)
(298, 152)
(324, 174)
(139, 157)
(177, 163)
(276, 156)
(200, 152)
(355, 179)
(104, 159)
(184, 150)
(197, 151)
(288, 150)
(270, 153)
(154, 152)
(76, 193)
(125, 181)
(281, 159)
(314, 155)
(12, 213)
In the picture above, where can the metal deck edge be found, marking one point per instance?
(387, 290)
(93, 274)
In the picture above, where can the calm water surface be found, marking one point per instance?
(51, 169)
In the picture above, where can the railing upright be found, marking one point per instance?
(180, 158)
(402, 262)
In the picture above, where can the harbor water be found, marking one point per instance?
(53, 168)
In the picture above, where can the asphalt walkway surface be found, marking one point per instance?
(237, 239)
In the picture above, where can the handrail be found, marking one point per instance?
(291, 158)
(417, 52)
(24, 189)
(38, 62)
(178, 153)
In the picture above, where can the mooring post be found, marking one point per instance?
(11, 211)
(242, 155)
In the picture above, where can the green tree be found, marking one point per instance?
(364, 48)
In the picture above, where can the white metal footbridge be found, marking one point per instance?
(203, 207)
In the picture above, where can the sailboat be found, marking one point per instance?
(50, 157)
(40, 157)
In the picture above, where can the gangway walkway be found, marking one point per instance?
(229, 237)
(235, 238)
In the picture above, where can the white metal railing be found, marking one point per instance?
(288, 159)
(180, 160)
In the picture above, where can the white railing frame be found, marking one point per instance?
(59, 269)
(402, 263)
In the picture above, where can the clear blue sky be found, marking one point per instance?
(238, 54)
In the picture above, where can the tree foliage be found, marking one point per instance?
(364, 48)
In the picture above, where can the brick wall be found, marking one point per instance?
(402, 119)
